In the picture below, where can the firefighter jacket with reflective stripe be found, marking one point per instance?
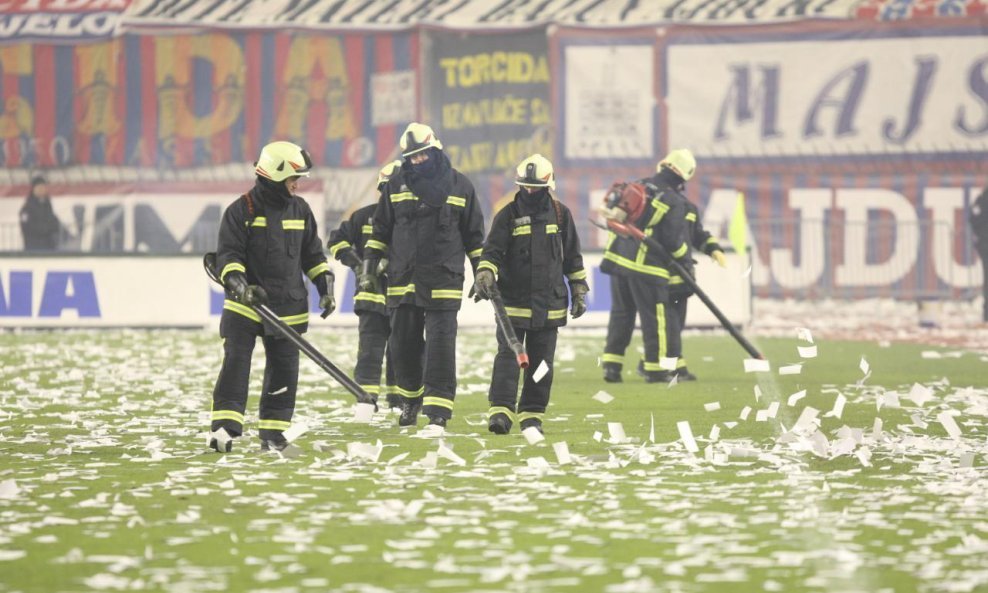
(664, 220)
(273, 241)
(354, 234)
(698, 238)
(532, 249)
(426, 245)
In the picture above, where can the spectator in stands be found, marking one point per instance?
(39, 225)
(979, 224)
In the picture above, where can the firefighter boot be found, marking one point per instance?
(499, 423)
(410, 411)
(532, 422)
(612, 372)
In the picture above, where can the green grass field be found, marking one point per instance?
(106, 483)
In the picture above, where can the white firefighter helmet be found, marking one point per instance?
(680, 162)
(387, 171)
(535, 171)
(281, 160)
(416, 138)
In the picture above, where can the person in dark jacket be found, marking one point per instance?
(427, 222)
(268, 239)
(679, 292)
(532, 249)
(979, 224)
(639, 274)
(346, 244)
(40, 227)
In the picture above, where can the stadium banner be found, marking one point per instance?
(484, 14)
(488, 97)
(823, 92)
(60, 21)
(179, 101)
(91, 291)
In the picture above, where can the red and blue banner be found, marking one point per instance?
(177, 101)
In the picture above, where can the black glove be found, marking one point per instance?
(368, 278)
(248, 294)
(483, 285)
(327, 301)
(349, 258)
(579, 300)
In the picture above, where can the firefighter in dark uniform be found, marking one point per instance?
(346, 244)
(268, 239)
(40, 227)
(640, 275)
(679, 292)
(533, 249)
(979, 224)
(427, 222)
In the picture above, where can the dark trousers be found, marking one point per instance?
(675, 322)
(280, 378)
(984, 281)
(541, 346)
(372, 349)
(631, 295)
(414, 331)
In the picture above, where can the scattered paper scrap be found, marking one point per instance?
(864, 366)
(603, 397)
(796, 397)
(806, 351)
(756, 365)
(668, 364)
(947, 420)
(363, 413)
(714, 433)
(804, 334)
(299, 428)
(744, 412)
(540, 372)
(9, 489)
(616, 433)
(712, 406)
(686, 434)
(651, 428)
(533, 435)
(758, 393)
(562, 453)
(447, 453)
(773, 409)
(838, 408)
(791, 369)
(921, 394)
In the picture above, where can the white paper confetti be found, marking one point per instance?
(714, 433)
(562, 453)
(9, 489)
(616, 433)
(667, 363)
(758, 393)
(806, 351)
(864, 366)
(712, 406)
(921, 394)
(447, 453)
(686, 435)
(299, 428)
(363, 413)
(651, 428)
(773, 409)
(947, 420)
(804, 334)
(540, 372)
(756, 365)
(794, 398)
(603, 397)
(791, 369)
(838, 408)
(533, 435)
(744, 412)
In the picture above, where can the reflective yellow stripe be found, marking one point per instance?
(447, 294)
(367, 229)
(336, 247)
(681, 363)
(475, 253)
(577, 275)
(409, 394)
(232, 267)
(400, 290)
(660, 211)
(227, 415)
(551, 228)
(374, 389)
(525, 229)
(681, 251)
(375, 244)
(652, 366)
(486, 265)
(259, 221)
(660, 317)
(557, 314)
(293, 224)
(691, 217)
(518, 312)
(618, 358)
(710, 240)
(439, 402)
(644, 269)
(403, 197)
(523, 416)
(456, 201)
(501, 410)
(242, 310)
(676, 280)
(320, 268)
(372, 297)
(296, 319)
(273, 425)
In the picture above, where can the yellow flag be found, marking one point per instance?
(737, 231)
